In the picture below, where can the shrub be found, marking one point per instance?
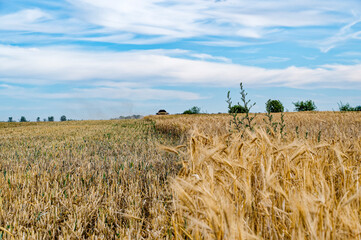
(51, 119)
(63, 118)
(237, 109)
(193, 110)
(274, 106)
(23, 119)
(344, 107)
(308, 105)
(10, 119)
(347, 107)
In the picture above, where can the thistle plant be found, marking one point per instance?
(274, 125)
(270, 123)
(246, 121)
(282, 125)
(297, 132)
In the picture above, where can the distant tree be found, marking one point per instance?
(44, 119)
(63, 118)
(237, 109)
(308, 105)
(38, 119)
(273, 106)
(51, 119)
(193, 110)
(10, 119)
(346, 107)
(23, 119)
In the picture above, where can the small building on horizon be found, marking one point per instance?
(162, 112)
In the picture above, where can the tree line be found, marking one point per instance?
(272, 105)
(49, 119)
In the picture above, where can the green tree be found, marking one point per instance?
(38, 119)
(237, 109)
(193, 110)
(346, 107)
(63, 118)
(10, 119)
(23, 119)
(273, 106)
(51, 119)
(308, 105)
(358, 108)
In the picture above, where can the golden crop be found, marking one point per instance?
(305, 185)
(77, 180)
(128, 179)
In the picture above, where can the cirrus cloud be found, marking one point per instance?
(158, 21)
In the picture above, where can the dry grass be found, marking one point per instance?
(110, 179)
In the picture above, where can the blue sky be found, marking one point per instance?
(99, 59)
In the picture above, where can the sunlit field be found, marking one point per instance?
(76, 180)
(182, 177)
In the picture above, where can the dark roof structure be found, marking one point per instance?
(162, 112)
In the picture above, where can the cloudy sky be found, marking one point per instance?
(98, 59)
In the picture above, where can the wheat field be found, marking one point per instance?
(86, 179)
(182, 177)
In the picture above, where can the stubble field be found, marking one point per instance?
(182, 177)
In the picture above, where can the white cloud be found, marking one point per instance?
(228, 43)
(345, 33)
(269, 59)
(159, 21)
(203, 56)
(143, 71)
(188, 17)
(110, 91)
(39, 21)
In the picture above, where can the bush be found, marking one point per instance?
(274, 106)
(347, 107)
(63, 118)
(344, 108)
(23, 119)
(305, 106)
(51, 119)
(237, 109)
(10, 119)
(358, 108)
(193, 110)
